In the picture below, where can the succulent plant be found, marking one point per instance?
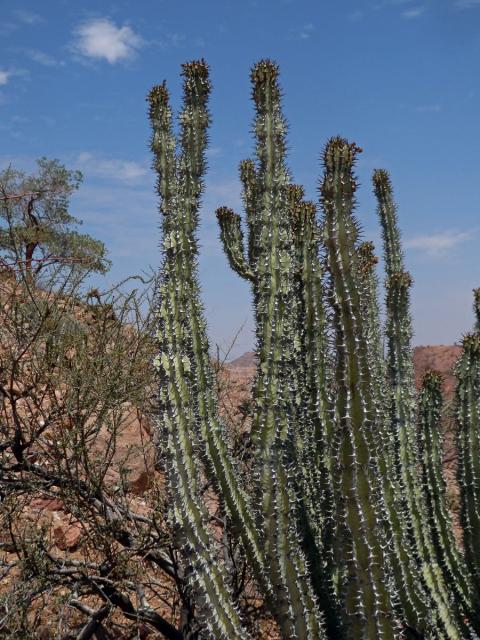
(346, 528)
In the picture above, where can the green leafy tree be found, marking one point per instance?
(37, 231)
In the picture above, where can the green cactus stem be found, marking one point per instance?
(468, 424)
(440, 522)
(315, 430)
(270, 264)
(273, 419)
(476, 308)
(231, 235)
(402, 405)
(360, 550)
(180, 181)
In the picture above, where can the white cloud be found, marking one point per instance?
(42, 58)
(303, 33)
(173, 40)
(112, 168)
(390, 3)
(467, 4)
(4, 76)
(213, 152)
(413, 13)
(356, 15)
(27, 17)
(429, 108)
(438, 243)
(103, 40)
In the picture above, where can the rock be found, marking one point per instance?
(132, 465)
(47, 504)
(67, 537)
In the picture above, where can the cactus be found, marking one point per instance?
(439, 519)
(468, 419)
(346, 530)
(476, 308)
(401, 403)
(183, 381)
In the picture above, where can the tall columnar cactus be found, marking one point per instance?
(314, 432)
(360, 546)
(440, 522)
(476, 308)
(346, 529)
(468, 419)
(193, 432)
(412, 593)
(183, 372)
(271, 270)
(402, 406)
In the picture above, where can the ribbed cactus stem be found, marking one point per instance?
(231, 235)
(402, 410)
(219, 465)
(177, 179)
(270, 269)
(250, 198)
(368, 281)
(476, 308)
(273, 428)
(440, 522)
(411, 593)
(359, 546)
(468, 424)
(315, 429)
(387, 211)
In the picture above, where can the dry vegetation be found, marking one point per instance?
(87, 549)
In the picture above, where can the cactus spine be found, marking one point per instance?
(346, 529)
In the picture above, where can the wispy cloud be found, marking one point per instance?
(27, 17)
(439, 243)
(111, 168)
(101, 39)
(428, 108)
(415, 12)
(18, 18)
(4, 76)
(213, 152)
(356, 15)
(7, 74)
(466, 4)
(303, 33)
(390, 3)
(42, 58)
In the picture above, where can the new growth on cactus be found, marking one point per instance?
(345, 525)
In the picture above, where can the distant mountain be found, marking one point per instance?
(442, 358)
(247, 361)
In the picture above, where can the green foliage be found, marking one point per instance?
(343, 521)
(36, 228)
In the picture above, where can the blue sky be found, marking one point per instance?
(400, 77)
